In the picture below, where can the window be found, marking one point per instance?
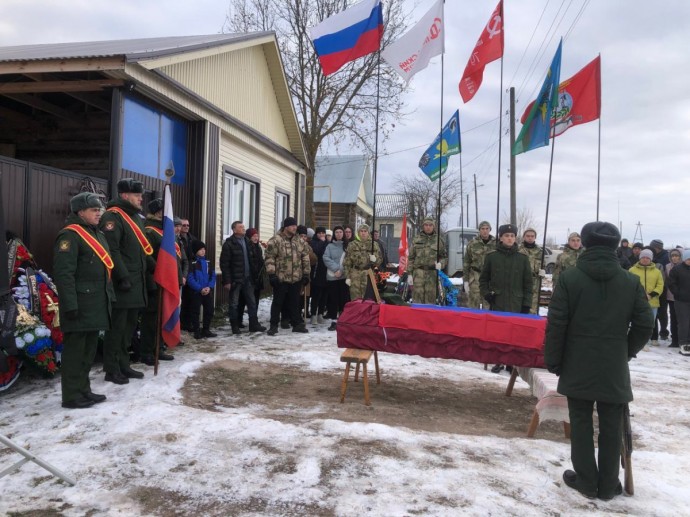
(240, 202)
(282, 208)
(386, 231)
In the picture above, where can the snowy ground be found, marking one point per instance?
(146, 451)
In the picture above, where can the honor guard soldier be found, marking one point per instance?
(475, 254)
(82, 267)
(360, 257)
(131, 252)
(427, 256)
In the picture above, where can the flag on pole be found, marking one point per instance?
(412, 52)
(579, 99)
(348, 35)
(536, 130)
(403, 250)
(165, 276)
(489, 48)
(434, 161)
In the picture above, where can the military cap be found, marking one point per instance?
(363, 227)
(155, 206)
(507, 228)
(484, 223)
(129, 185)
(85, 200)
(289, 221)
(600, 233)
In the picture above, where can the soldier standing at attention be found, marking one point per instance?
(425, 259)
(82, 267)
(534, 253)
(359, 258)
(474, 261)
(131, 251)
(569, 257)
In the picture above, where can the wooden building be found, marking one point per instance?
(84, 115)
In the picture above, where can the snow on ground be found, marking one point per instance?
(144, 448)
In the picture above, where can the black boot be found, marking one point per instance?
(198, 334)
(132, 374)
(333, 325)
(236, 329)
(255, 326)
(300, 328)
(95, 397)
(116, 378)
(284, 324)
(79, 403)
(208, 333)
(273, 330)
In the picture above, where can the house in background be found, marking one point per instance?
(84, 115)
(390, 209)
(343, 191)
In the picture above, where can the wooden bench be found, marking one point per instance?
(551, 405)
(359, 357)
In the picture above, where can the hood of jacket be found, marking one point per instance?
(599, 263)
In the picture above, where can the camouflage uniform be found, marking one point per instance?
(475, 254)
(534, 255)
(566, 260)
(357, 263)
(422, 266)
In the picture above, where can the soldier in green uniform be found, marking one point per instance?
(534, 254)
(473, 263)
(569, 257)
(130, 249)
(150, 324)
(425, 259)
(359, 258)
(81, 270)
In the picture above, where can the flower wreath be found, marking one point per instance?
(34, 343)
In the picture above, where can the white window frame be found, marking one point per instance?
(282, 207)
(240, 201)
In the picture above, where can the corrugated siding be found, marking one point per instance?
(247, 94)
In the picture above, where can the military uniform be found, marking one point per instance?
(421, 264)
(86, 294)
(150, 325)
(566, 260)
(129, 278)
(357, 262)
(475, 254)
(507, 274)
(534, 254)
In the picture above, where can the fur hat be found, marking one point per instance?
(289, 221)
(647, 253)
(155, 206)
(319, 229)
(507, 228)
(484, 223)
(302, 230)
(129, 185)
(85, 200)
(197, 245)
(251, 232)
(310, 232)
(600, 233)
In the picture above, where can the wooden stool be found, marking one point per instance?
(357, 356)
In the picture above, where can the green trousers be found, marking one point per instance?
(590, 478)
(79, 349)
(118, 338)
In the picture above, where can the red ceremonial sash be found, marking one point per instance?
(160, 232)
(96, 246)
(143, 241)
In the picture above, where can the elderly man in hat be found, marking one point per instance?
(569, 257)
(475, 253)
(428, 255)
(288, 269)
(131, 252)
(362, 254)
(599, 319)
(82, 266)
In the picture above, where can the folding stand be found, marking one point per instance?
(30, 457)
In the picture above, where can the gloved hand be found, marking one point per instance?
(348, 282)
(525, 309)
(555, 369)
(305, 279)
(438, 266)
(71, 315)
(372, 259)
(542, 273)
(273, 280)
(653, 294)
(410, 280)
(124, 285)
(490, 297)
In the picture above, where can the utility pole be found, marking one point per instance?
(476, 202)
(513, 188)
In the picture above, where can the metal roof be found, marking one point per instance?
(345, 175)
(390, 206)
(133, 49)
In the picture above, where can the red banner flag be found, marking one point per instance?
(579, 99)
(489, 48)
(403, 250)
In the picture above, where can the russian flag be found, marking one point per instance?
(347, 35)
(165, 276)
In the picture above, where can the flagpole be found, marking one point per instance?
(376, 147)
(500, 138)
(440, 174)
(598, 167)
(159, 319)
(546, 218)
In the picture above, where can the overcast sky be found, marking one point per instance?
(645, 132)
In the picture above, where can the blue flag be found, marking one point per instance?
(434, 161)
(536, 130)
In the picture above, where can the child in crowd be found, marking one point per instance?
(201, 281)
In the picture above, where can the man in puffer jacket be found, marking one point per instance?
(201, 281)
(652, 282)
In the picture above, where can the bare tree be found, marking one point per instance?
(337, 108)
(524, 219)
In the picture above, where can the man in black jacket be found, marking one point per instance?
(237, 277)
(679, 285)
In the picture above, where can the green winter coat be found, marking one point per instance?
(652, 281)
(287, 258)
(82, 280)
(507, 273)
(566, 260)
(598, 319)
(130, 259)
(357, 262)
(422, 265)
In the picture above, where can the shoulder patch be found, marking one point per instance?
(109, 226)
(64, 245)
